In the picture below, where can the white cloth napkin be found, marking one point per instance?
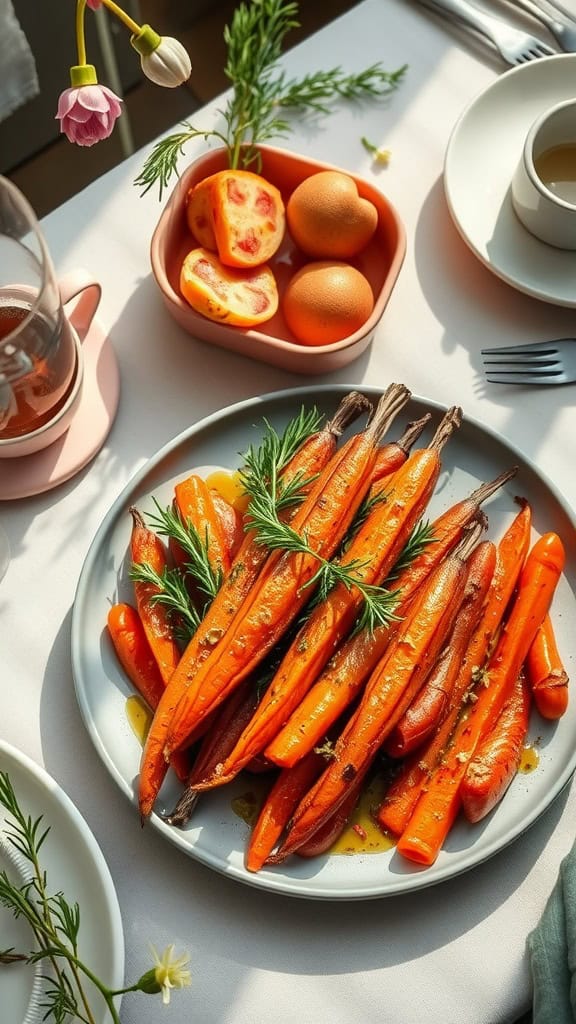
(18, 77)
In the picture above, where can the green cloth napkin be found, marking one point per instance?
(552, 951)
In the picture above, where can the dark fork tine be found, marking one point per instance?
(539, 362)
(526, 378)
(536, 360)
(548, 347)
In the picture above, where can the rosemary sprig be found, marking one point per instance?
(172, 594)
(262, 468)
(254, 41)
(379, 603)
(264, 464)
(422, 535)
(169, 523)
(55, 926)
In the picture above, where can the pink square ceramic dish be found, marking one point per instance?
(380, 262)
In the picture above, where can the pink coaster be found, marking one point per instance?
(33, 474)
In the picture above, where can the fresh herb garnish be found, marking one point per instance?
(55, 926)
(173, 595)
(263, 464)
(261, 92)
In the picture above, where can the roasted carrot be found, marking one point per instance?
(231, 522)
(495, 763)
(283, 587)
(375, 549)
(546, 674)
(332, 829)
(309, 460)
(438, 805)
(345, 675)
(135, 655)
(394, 454)
(195, 506)
(134, 652)
(226, 725)
(432, 703)
(400, 673)
(404, 792)
(147, 549)
(285, 794)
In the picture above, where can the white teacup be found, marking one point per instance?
(544, 184)
(78, 285)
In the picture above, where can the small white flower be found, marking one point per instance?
(170, 971)
(164, 60)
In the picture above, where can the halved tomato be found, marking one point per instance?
(239, 214)
(242, 298)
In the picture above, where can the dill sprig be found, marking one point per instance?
(172, 595)
(260, 91)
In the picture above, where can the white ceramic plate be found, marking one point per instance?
(75, 865)
(481, 158)
(215, 835)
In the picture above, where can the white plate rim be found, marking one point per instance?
(51, 793)
(563, 62)
(286, 885)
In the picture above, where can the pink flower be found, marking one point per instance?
(87, 113)
(94, 4)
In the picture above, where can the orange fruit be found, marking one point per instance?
(238, 214)
(241, 298)
(328, 219)
(326, 301)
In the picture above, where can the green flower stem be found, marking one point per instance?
(126, 20)
(80, 37)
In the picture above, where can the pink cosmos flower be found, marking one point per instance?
(87, 113)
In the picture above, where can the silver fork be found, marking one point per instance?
(563, 33)
(542, 362)
(514, 45)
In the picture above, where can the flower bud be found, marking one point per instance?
(88, 111)
(164, 60)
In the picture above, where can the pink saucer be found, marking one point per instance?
(33, 474)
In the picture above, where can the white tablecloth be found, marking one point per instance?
(453, 953)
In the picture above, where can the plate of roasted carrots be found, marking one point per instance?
(322, 642)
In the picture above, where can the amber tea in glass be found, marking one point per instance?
(37, 348)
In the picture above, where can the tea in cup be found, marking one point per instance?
(41, 367)
(544, 184)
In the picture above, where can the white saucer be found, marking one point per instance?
(74, 864)
(481, 157)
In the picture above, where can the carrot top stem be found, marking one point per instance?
(413, 432)
(448, 424)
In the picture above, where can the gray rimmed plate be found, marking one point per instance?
(216, 836)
